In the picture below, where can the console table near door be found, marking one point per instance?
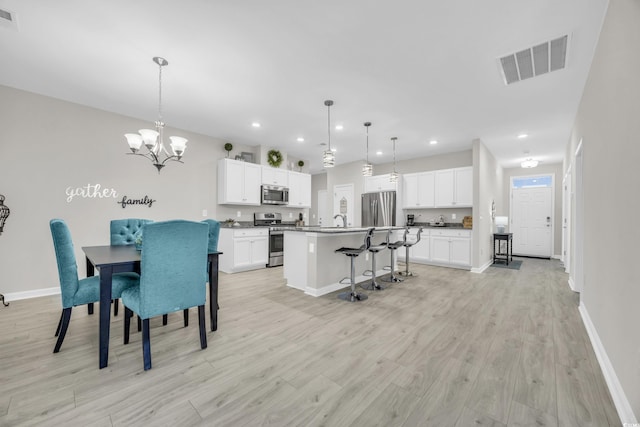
(498, 253)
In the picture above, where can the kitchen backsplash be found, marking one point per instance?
(426, 215)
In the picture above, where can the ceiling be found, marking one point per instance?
(417, 69)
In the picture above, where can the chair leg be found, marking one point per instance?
(186, 317)
(164, 319)
(115, 306)
(66, 316)
(146, 345)
(203, 328)
(59, 324)
(128, 314)
(139, 324)
(90, 308)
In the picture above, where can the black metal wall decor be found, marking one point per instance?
(4, 213)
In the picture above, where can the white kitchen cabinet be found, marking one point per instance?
(244, 249)
(463, 192)
(454, 187)
(379, 183)
(275, 176)
(451, 247)
(418, 190)
(238, 182)
(299, 190)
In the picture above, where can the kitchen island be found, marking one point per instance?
(311, 264)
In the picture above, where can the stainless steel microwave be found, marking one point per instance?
(274, 195)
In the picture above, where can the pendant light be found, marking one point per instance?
(393, 177)
(367, 168)
(328, 157)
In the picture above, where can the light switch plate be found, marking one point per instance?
(453, 216)
(239, 214)
(204, 212)
(312, 248)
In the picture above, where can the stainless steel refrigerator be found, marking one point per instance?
(379, 209)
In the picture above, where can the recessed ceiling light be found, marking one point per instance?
(378, 153)
(334, 150)
(300, 139)
(522, 136)
(255, 124)
(339, 127)
(433, 142)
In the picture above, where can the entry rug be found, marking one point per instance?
(513, 265)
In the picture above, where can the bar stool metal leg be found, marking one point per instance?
(352, 296)
(392, 277)
(406, 272)
(373, 285)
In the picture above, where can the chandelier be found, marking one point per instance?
(153, 139)
(328, 157)
(4, 212)
(393, 177)
(367, 168)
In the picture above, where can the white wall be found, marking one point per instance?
(47, 145)
(607, 123)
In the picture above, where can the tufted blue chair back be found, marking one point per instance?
(66, 258)
(214, 234)
(173, 268)
(123, 230)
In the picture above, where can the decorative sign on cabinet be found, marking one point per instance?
(238, 182)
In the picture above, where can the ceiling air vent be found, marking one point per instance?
(8, 19)
(534, 61)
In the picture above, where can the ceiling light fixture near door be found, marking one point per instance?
(367, 168)
(328, 158)
(529, 163)
(393, 177)
(153, 139)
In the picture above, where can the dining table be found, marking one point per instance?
(110, 260)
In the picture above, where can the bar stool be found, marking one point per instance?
(373, 285)
(407, 245)
(393, 246)
(352, 253)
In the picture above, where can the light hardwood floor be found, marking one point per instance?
(448, 348)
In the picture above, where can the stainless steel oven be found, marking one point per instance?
(274, 195)
(276, 236)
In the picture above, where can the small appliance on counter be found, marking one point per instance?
(300, 221)
(411, 220)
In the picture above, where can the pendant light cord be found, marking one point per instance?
(329, 124)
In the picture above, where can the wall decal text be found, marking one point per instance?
(90, 192)
(144, 201)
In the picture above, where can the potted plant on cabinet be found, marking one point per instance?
(228, 146)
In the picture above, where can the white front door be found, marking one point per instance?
(343, 204)
(531, 221)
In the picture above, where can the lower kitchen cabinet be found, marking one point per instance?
(243, 249)
(451, 247)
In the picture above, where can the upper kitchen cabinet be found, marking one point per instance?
(418, 190)
(454, 187)
(275, 176)
(238, 182)
(299, 190)
(376, 183)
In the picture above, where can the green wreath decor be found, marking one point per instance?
(274, 157)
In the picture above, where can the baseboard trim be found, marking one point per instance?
(559, 257)
(572, 284)
(15, 296)
(615, 388)
(482, 268)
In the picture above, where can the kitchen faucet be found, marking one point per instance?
(344, 219)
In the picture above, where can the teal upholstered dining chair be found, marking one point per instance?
(173, 277)
(123, 233)
(214, 234)
(76, 291)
